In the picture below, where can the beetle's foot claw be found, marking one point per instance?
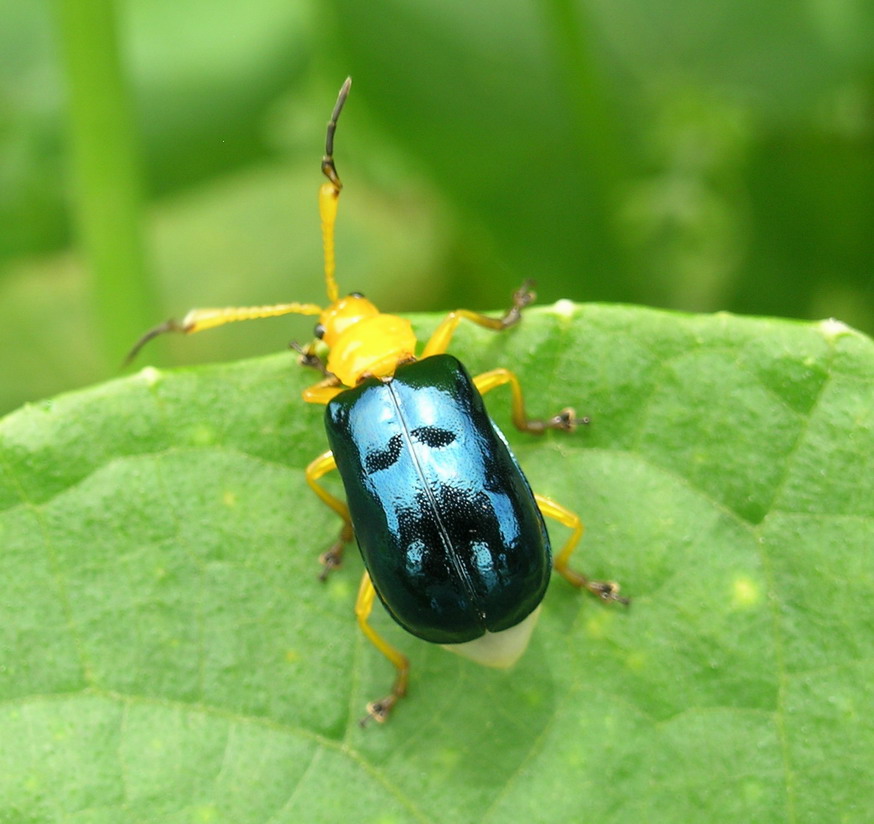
(379, 710)
(330, 560)
(564, 421)
(524, 295)
(607, 591)
(567, 420)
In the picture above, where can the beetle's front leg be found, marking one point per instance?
(333, 557)
(309, 359)
(565, 420)
(438, 343)
(379, 710)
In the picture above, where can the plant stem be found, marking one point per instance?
(593, 117)
(105, 172)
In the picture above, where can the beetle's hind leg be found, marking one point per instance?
(605, 590)
(333, 557)
(566, 420)
(379, 710)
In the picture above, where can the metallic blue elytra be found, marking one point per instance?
(446, 522)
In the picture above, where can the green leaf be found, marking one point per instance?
(167, 653)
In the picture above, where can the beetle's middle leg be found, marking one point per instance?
(565, 420)
(606, 590)
(379, 710)
(438, 343)
(333, 558)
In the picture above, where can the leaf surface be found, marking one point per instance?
(167, 653)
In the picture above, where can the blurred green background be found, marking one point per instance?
(162, 154)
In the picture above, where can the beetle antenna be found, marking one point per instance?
(167, 326)
(329, 194)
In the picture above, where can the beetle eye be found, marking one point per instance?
(357, 295)
(319, 330)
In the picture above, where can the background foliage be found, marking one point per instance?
(683, 156)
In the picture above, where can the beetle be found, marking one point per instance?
(452, 536)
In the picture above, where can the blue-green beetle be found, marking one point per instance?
(452, 536)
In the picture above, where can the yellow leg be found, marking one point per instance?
(324, 391)
(379, 710)
(333, 558)
(438, 343)
(565, 420)
(606, 590)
